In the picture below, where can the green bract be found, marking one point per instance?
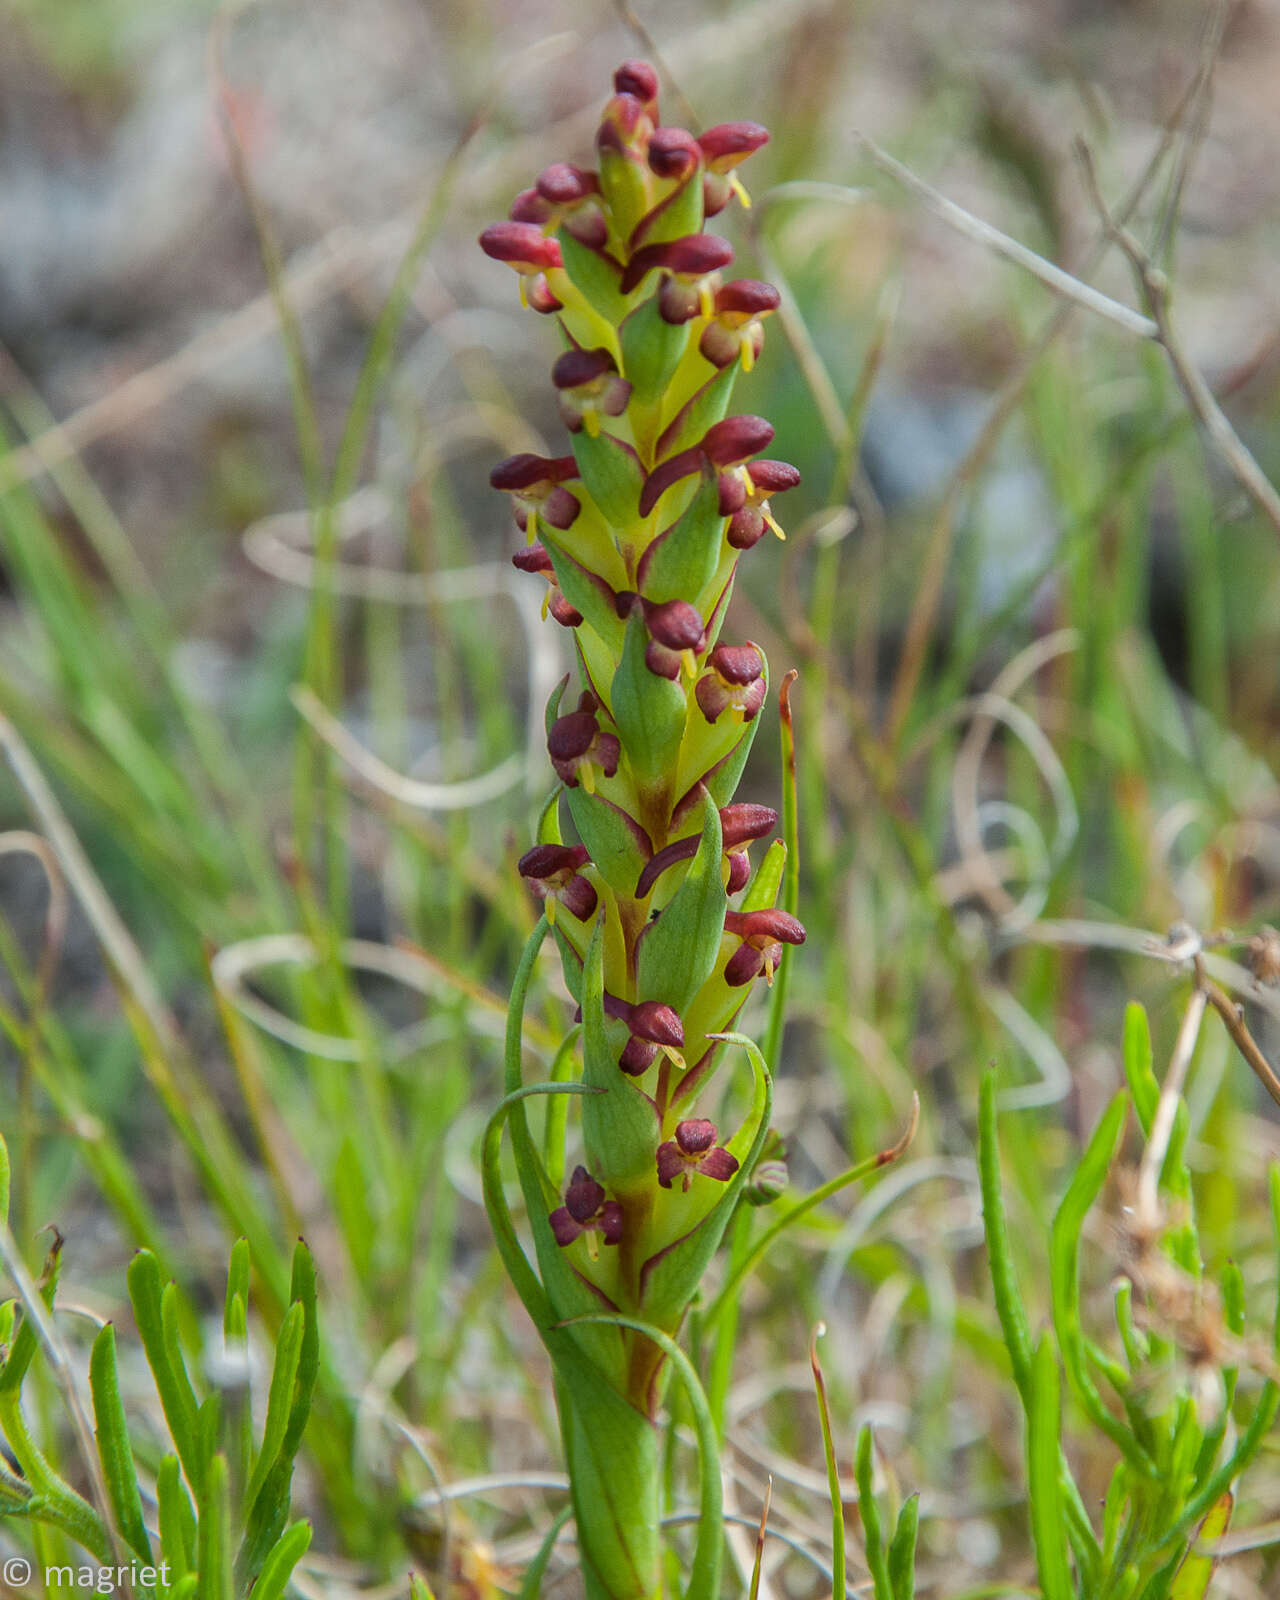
(660, 925)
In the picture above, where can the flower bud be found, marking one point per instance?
(578, 746)
(552, 872)
(734, 683)
(622, 143)
(763, 934)
(676, 634)
(637, 78)
(535, 486)
(589, 387)
(723, 148)
(689, 265)
(654, 1028)
(769, 1177)
(534, 558)
(566, 197)
(749, 520)
(735, 332)
(532, 253)
(673, 153)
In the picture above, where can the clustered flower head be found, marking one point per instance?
(662, 921)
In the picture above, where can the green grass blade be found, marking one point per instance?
(531, 1583)
(1064, 1261)
(1043, 1484)
(839, 1565)
(1004, 1278)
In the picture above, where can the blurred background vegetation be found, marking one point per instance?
(1036, 617)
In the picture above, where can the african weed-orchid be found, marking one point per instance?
(661, 923)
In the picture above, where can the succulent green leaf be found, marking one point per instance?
(237, 1290)
(177, 1520)
(1197, 1570)
(678, 952)
(284, 1374)
(1004, 1277)
(114, 1451)
(283, 1557)
(155, 1312)
(213, 1537)
(902, 1551)
(869, 1511)
(302, 1291)
(26, 1341)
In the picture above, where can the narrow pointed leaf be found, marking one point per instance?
(114, 1451)
(678, 953)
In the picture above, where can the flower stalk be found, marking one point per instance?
(661, 921)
